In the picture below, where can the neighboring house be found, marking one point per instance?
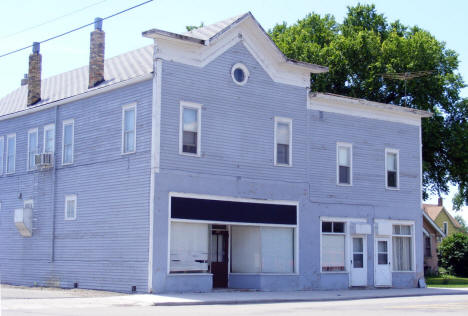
(205, 161)
(431, 238)
(442, 218)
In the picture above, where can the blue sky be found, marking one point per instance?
(446, 20)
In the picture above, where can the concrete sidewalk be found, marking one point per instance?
(12, 296)
(36, 298)
(248, 297)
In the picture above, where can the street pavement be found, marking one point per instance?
(44, 301)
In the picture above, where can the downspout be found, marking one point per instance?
(54, 171)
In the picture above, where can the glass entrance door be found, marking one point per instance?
(219, 256)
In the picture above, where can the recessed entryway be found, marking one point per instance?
(219, 249)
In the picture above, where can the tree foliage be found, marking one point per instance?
(462, 223)
(453, 254)
(364, 46)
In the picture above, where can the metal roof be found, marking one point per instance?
(117, 69)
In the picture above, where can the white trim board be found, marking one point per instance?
(231, 198)
(177, 48)
(155, 158)
(365, 109)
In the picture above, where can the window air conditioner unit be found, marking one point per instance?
(24, 221)
(44, 161)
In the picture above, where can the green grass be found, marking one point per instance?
(447, 281)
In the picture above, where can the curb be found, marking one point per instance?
(293, 300)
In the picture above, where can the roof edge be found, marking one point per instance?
(380, 105)
(153, 33)
(76, 97)
(433, 224)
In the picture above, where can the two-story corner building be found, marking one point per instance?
(204, 161)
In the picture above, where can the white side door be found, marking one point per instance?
(383, 262)
(358, 261)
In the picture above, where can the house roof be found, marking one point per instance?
(207, 34)
(432, 223)
(117, 69)
(433, 210)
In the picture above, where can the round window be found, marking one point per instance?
(239, 74)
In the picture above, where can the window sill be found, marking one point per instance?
(282, 165)
(129, 153)
(189, 154)
(261, 273)
(67, 164)
(344, 184)
(189, 274)
(334, 272)
(392, 189)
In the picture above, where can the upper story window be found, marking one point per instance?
(240, 74)
(283, 140)
(49, 139)
(11, 153)
(68, 142)
(333, 246)
(70, 207)
(32, 148)
(344, 158)
(129, 129)
(28, 204)
(2, 153)
(445, 228)
(392, 168)
(190, 127)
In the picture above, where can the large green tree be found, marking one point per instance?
(365, 46)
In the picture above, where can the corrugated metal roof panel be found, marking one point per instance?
(116, 69)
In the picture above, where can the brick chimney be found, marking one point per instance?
(34, 76)
(96, 56)
(441, 202)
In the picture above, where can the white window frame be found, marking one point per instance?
(413, 247)
(72, 123)
(7, 156)
(397, 152)
(124, 109)
(350, 146)
(29, 201)
(285, 120)
(348, 236)
(2, 157)
(32, 131)
(345, 235)
(70, 197)
(445, 228)
(198, 107)
(48, 127)
(246, 74)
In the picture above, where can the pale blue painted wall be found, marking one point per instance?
(106, 247)
(237, 161)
